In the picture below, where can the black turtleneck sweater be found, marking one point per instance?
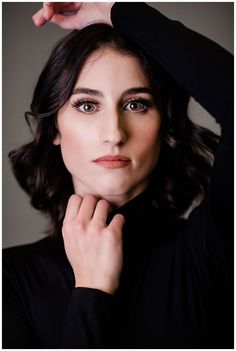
(176, 287)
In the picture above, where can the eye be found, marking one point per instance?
(86, 106)
(137, 106)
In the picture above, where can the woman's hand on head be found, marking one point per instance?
(93, 249)
(73, 15)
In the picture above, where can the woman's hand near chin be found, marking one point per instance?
(73, 15)
(93, 249)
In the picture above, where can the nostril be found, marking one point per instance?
(116, 137)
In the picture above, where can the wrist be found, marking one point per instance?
(106, 12)
(107, 288)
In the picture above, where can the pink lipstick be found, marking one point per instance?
(113, 161)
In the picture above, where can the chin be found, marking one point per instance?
(114, 189)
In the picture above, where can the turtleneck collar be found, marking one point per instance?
(140, 205)
(141, 216)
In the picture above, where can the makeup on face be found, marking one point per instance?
(109, 129)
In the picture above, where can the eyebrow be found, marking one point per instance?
(87, 91)
(135, 90)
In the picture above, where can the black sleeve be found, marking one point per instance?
(17, 331)
(86, 323)
(204, 69)
(88, 319)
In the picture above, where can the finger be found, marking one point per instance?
(117, 223)
(48, 9)
(87, 208)
(66, 6)
(60, 6)
(73, 207)
(38, 18)
(49, 4)
(101, 212)
(52, 8)
(65, 21)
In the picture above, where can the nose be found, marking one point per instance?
(115, 132)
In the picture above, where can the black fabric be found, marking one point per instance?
(176, 287)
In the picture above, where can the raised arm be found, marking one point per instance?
(204, 69)
(199, 64)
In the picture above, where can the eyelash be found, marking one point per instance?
(78, 103)
(144, 102)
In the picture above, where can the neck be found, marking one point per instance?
(115, 200)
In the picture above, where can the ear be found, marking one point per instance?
(57, 139)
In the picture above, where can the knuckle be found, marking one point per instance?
(80, 226)
(65, 227)
(113, 233)
(93, 226)
(77, 227)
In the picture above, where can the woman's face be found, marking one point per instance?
(109, 129)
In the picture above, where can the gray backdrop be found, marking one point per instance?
(26, 49)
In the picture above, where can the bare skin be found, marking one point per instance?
(83, 14)
(93, 249)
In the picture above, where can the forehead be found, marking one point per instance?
(109, 64)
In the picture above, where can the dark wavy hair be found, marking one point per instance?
(182, 172)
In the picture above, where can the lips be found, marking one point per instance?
(113, 161)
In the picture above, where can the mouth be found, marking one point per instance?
(113, 161)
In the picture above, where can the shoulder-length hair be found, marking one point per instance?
(182, 172)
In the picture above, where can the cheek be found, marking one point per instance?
(73, 145)
(149, 140)
(73, 135)
(70, 138)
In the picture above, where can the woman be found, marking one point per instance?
(116, 163)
